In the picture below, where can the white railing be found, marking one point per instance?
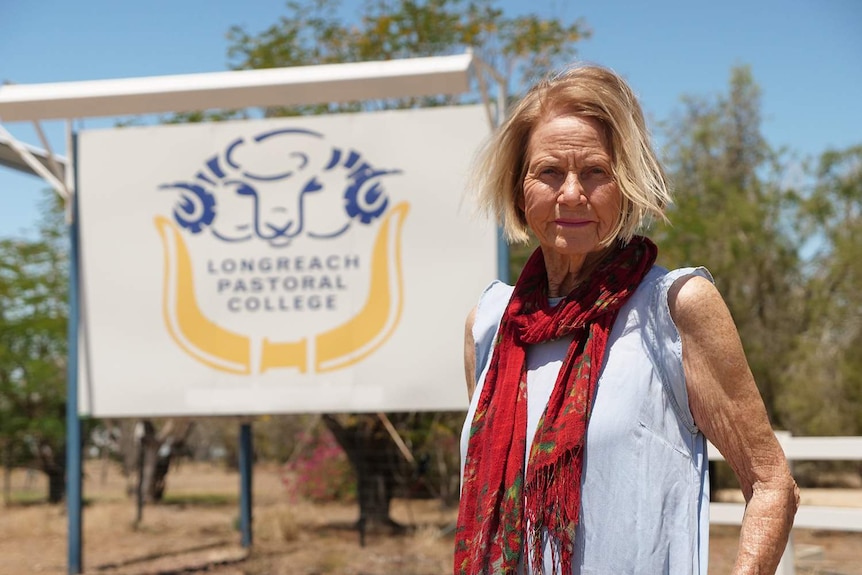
(808, 516)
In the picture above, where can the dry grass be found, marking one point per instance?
(197, 532)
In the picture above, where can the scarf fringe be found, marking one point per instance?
(551, 512)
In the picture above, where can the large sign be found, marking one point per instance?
(295, 265)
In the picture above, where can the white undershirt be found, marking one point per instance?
(544, 361)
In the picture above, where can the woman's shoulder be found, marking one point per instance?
(661, 279)
(651, 300)
(486, 320)
(492, 303)
(651, 295)
(490, 307)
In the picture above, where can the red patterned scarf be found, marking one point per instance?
(498, 503)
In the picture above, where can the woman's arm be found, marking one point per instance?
(728, 409)
(470, 354)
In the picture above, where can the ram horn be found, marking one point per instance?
(360, 336)
(197, 335)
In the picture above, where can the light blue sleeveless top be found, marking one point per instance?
(645, 489)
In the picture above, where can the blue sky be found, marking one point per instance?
(805, 54)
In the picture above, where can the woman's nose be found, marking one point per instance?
(572, 191)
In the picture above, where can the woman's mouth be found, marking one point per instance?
(572, 222)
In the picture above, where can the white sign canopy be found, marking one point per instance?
(236, 89)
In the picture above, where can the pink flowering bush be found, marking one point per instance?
(320, 472)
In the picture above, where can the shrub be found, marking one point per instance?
(320, 472)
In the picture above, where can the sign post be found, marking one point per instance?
(74, 461)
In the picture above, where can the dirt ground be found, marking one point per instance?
(196, 532)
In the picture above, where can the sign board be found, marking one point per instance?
(314, 264)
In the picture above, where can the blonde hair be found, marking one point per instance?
(587, 91)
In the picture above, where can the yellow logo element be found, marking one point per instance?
(337, 348)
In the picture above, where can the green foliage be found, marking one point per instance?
(786, 260)
(33, 319)
(317, 32)
(826, 389)
(732, 215)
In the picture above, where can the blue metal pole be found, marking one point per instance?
(502, 256)
(502, 244)
(73, 422)
(246, 455)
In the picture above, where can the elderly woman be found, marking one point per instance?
(596, 380)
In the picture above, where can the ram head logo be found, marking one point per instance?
(318, 192)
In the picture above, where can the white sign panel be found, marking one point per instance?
(314, 264)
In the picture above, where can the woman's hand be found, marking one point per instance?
(729, 410)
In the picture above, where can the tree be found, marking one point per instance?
(732, 215)
(34, 277)
(33, 320)
(376, 463)
(158, 449)
(518, 48)
(825, 396)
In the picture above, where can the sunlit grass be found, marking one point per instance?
(201, 499)
(27, 497)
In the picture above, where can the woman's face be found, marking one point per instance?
(571, 201)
